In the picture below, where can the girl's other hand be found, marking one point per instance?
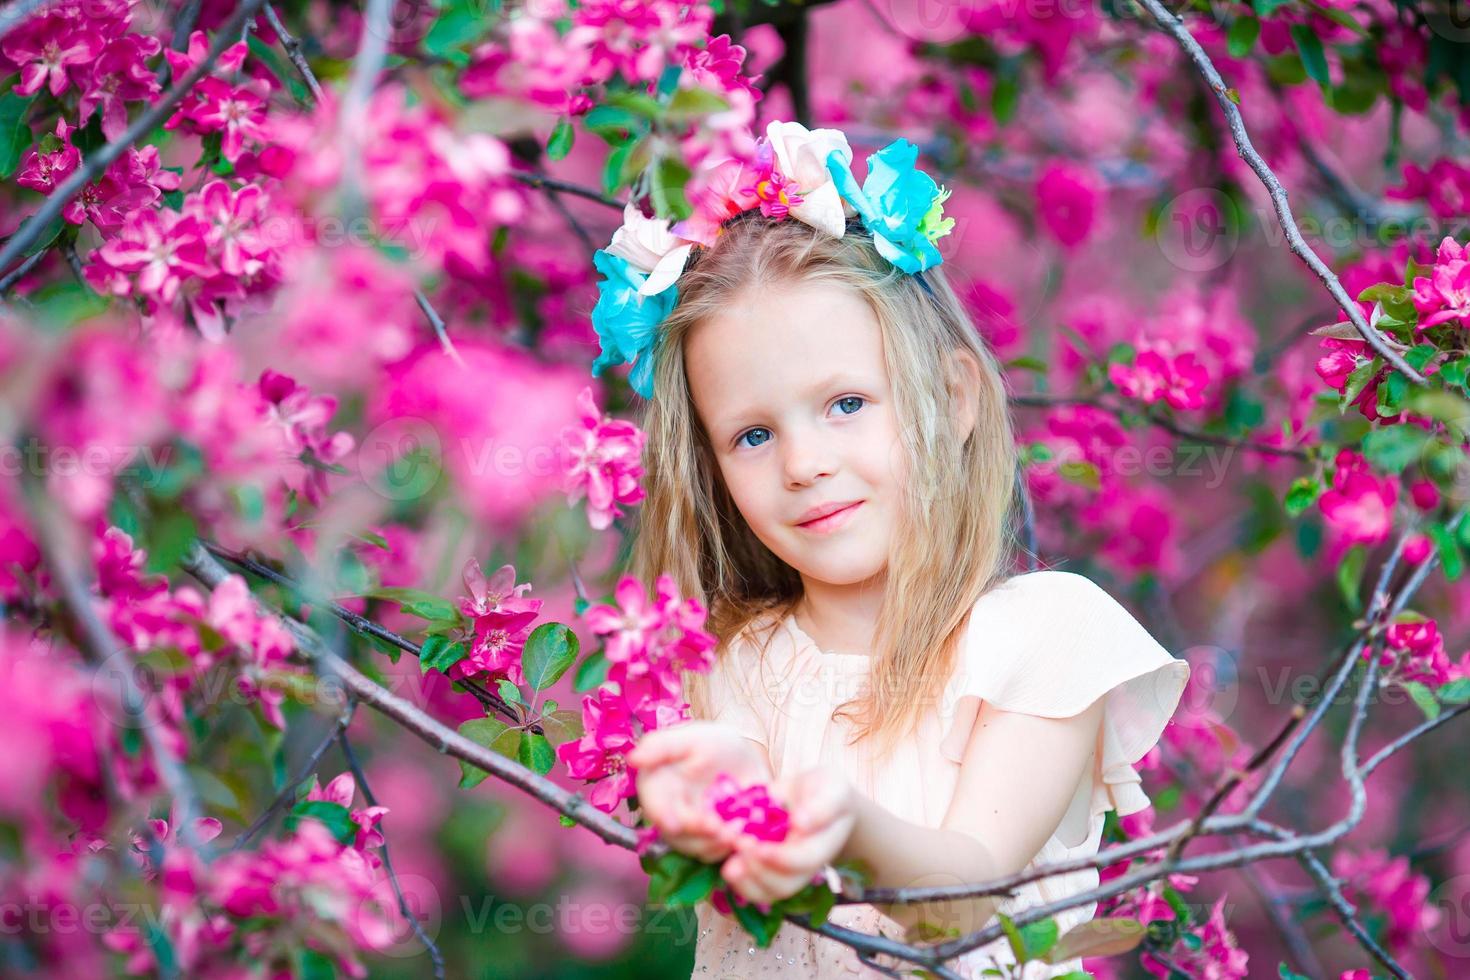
(823, 811)
(676, 766)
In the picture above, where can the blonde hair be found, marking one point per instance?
(956, 537)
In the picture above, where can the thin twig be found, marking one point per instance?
(367, 793)
(287, 795)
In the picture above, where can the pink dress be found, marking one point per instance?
(1045, 643)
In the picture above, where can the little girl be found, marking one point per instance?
(830, 467)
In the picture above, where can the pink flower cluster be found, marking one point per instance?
(1445, 187)
(305, 881)
(1359, 506)
(647, 645)
(215, 105)
(145, 615)
(299, 419)
(1444, 295)
(1419, 650)
(342, 790)
(133, 182)
(752, 808)
(1215, 955)
(1158, 374)
(85, 47)
(1390, 885)
(537, 62)
(502, 623)
(211, 257)
(600, 459)
(431, 189)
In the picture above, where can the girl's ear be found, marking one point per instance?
(964, 389)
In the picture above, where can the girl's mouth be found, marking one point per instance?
(832, 521)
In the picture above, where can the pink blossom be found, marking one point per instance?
(151, 256)
(214, 105)
(1444, 295)
(636, 38)
(502, 623)
(1388, 884)
(119, 76)
(1068, 195)
(1359, 506)
(342, 790)
(51, 161)
(647, 645)
(299, 419)
(752, 808)
(52, 51)
(601, 459)
(1418, 648)
(777, 194)
(1445, 186)
(1155, 376)
(132, 182)
(1216, 955)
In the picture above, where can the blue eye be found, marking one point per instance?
(740, 439)
(851, 398)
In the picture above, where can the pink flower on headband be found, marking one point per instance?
(777, 194)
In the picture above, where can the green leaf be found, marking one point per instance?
(1420, 355)
(1005, 96)
(565, 820)
(638, 103)
(562, 726)
(696, 887)
(415, 602)
(1455, 692)
(1357, 381)
(1394, 447)
(1303, 493)
(1038, 938)
(550, 650)
(334, 816)
(560, 143)
(1027, 363)
(313, 965)
(508, 691)
(15, 135)
(536, 753)
(1424, 698)
(1314, 59)
(1449, 551)
(169, 538)
(438, 653)
(762, 927)
(593, 671)
(611, 122)
(689, 103)
(1266, 8)
(456, 27)
(1391, 393)
(1286, 973)
(491, 733)
(1350, 574)
(1454, 372)
(1242, 36)
(667, 189)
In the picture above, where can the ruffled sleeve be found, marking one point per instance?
(1050, 643)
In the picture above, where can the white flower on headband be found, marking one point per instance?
(649, 247)
(801, 156)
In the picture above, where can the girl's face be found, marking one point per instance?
(792, 390)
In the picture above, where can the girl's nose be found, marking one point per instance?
(806, 459)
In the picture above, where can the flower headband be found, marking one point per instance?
(798, 173)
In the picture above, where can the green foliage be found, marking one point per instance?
(438, 653)
(15, 135)
(550, 650)
(334, 816)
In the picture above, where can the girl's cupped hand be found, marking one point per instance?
(823, 813)
(676, 766)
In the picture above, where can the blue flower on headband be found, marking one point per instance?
(627, 322)
(900, 204)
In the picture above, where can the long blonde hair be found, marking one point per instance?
(957, 533)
